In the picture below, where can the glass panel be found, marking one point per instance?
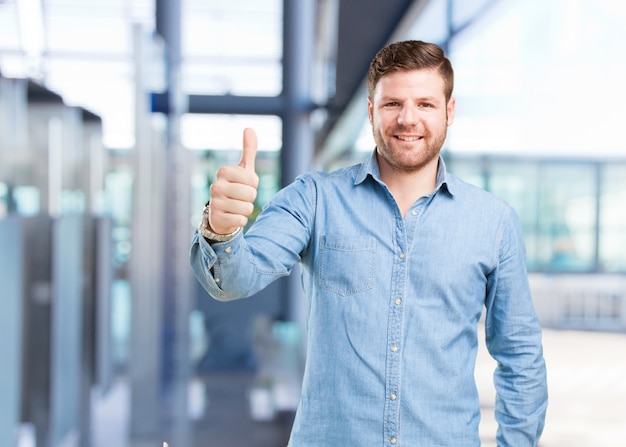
(119, 184)
(613, 219)
(225, 132)
(27, 200)
(232, 47)
(469, 170)
(567, 217)
(233, 78)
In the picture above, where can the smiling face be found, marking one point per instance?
(409, 115)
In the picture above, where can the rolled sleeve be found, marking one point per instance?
(207, 261)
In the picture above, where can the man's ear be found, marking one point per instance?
(450, 109)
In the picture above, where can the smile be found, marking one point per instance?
(408, 138)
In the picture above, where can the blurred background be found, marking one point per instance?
(114, 116)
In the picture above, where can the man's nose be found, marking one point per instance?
(409, 115)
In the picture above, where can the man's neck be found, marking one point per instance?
(408, 186)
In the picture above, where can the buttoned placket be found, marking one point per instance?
(404, 234)
(229, 250)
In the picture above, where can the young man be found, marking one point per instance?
(399, 259)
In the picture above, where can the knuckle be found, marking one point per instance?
(216, 189)
(253, 195)
(251, 209)
(222, 171)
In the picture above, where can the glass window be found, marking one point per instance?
(566, 219)
(468, 169)
(224, 132)
(612, 237)
(232, 47)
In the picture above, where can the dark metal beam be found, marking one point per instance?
(243, 105)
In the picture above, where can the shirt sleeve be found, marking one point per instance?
(514, 340)
(248, 263)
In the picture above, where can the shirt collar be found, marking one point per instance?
(370, 167)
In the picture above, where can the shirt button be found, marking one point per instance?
(393, 396)
(228, 249)
(393, 440)
(401, 255)
(398, 301)
(414, 212)
(394, 348)
(217, 280)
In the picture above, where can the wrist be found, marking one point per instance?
(204, 228)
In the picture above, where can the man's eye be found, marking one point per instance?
(425, 105)
(391, 104)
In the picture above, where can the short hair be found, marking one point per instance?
(410, 55)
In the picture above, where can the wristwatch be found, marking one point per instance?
(205, 228)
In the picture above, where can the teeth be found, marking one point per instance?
(403, 138)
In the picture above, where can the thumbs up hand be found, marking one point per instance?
(235, 189)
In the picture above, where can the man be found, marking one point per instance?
(399, 259)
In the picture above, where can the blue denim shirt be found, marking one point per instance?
(393, 308)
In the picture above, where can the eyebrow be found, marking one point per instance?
(432, 99)
(421, 98)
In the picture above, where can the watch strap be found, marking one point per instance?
(204, 228)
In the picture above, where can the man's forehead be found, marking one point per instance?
(428, 80)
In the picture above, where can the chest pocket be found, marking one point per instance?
(346, 264)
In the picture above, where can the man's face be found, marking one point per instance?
(409, 117)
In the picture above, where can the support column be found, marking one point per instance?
(298, 137)
(178, 302)
(146, 329)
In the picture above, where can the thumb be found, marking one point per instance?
(250, 144)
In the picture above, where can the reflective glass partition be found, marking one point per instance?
(240, 53)
(612, 234)
(566, 220)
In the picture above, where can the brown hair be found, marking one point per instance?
(410, 55)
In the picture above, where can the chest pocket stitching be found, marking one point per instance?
(346, 264)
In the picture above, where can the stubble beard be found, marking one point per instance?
(409, 161)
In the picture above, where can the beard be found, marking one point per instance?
(413, 159)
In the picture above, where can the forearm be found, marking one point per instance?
(521, 394)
